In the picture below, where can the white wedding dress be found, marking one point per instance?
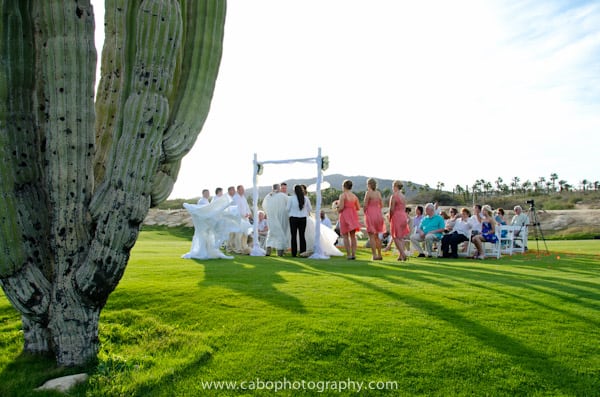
(327, 241)
(212, 224)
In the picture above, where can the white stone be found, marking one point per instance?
(64, 383)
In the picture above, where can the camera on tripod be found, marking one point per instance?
(531, 203)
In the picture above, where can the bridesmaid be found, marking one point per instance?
(348, 208)
(374, 222)
(398, 219)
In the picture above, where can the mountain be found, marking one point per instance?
(336, 181)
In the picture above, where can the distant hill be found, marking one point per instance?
(336, 180)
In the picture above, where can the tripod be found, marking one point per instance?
(537, 229)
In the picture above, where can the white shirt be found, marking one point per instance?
(326, 221)
(520, 220)
(242, 205)
(463, 227)
(203, 201)
(475, 223)
(294, 208)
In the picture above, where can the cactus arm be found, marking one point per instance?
(24, 269)
(66, 78)
(115, 72)
(202, 51)
(11, 245)
(123, 199)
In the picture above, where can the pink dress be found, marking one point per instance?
(373, 216)
(349, 216)
(398, 219)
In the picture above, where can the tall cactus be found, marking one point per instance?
(75, 195)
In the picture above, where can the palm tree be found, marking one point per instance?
(458, 190)
(487, 187)
(583, 183)
(499, 181)
(526, 186)
(554, 178)
(541, 183)
(562, 183)
(515, 184)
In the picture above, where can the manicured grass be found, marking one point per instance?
(522, 325)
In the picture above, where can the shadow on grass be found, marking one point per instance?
(27, 372)
(257, 280)
(553, 374)
(157, 386)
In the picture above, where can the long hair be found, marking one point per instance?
(300, 195)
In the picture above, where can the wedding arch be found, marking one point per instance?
(322, 163)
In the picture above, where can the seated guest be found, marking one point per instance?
(454, 216)
(500, 220)
(325, 220)
(500, 217)
(429, 231)
(488, 232)
(263, 229)
(522, 220)
(460, 233)
(476, 219)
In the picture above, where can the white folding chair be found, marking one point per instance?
(520, 238)
(494, 248)
(506, 239)
(490, 249)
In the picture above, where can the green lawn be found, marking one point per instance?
(522, 325)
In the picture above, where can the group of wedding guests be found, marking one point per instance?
(456, 227)
(285, 222)
(430, 225)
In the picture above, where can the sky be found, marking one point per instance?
(422, 91)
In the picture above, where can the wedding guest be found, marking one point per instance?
(416, 221)
(374, 222)
(205, 199)
(452, 218)
(501, 221)
(399, 227)
(522, 220)
(263, 229)
(429, 231)
(299, 208)
(275, 205)
(325, 221)
(476, 219)
(232, 241)
(460, 233)
(488, 233)
(230, 192)
(218, 193)
(500, 216)
(239, 244)
(348, 208)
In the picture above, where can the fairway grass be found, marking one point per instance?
(521, 325)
